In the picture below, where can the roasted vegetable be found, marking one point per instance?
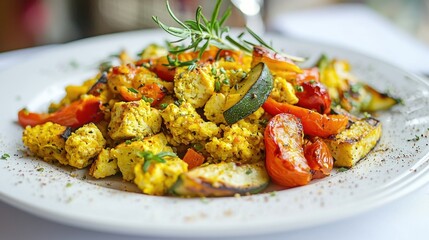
(315, 124)
(352, 95)
(193, 158)
(222, 179)
(318, 157)
(379, 101)
(311, 93)
(77, 114)
(250, 94)
(285, 160)
(354, 143)
(278, 64)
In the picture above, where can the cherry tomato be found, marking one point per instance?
(284, 156)
(307, 75)
(318, 157)
(314, 96)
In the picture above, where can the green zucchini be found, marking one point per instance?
(249, 94)
(222, 179)
(379, 101)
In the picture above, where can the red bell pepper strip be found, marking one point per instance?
(314, 123)
(74, 115)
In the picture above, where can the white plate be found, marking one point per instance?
(397, 166)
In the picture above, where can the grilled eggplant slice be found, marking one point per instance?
(222, 179)
(354, 143)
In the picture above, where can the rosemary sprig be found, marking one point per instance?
(203, 32)
(149, 158)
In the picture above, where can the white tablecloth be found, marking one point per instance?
(405, 218)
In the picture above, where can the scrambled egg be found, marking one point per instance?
(241, 142)
(213, 110)
(104, 165)
(194, 87)
(46, 142)
(122, 76)
(186, 125)
(160, 176)
(127, 157)
(283, 91)
(133, 119)
(83, 145)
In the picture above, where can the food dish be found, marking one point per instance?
(398, 164)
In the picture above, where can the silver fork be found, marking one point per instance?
(251, 10)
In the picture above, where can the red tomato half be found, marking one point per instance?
(285, 160)
(314, 96)
(318, 157)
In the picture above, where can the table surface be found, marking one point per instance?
(404, 218)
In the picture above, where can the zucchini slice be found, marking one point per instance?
(249, 94)
(222, 179)
(379, 101)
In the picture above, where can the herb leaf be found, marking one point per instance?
(203, 32)
(149, 157)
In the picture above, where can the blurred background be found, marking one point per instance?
(28, 23)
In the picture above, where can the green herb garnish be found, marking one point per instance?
(415, 139)
(299, 88)
(163, 105)
(149, 158)
(217, 86)
(105, 66)
(133, 90)
(146, 99)
(198, 146)
(4, 156)
(204, 32)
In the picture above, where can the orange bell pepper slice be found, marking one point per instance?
(275, 62)
(193, 158)
(314, 123)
